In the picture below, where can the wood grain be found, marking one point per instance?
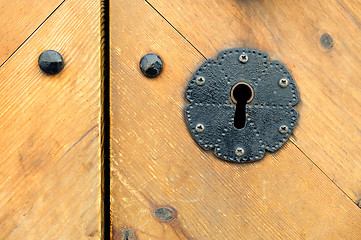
(19, 19)
(156, 163)
(50, 178)
(329, 130)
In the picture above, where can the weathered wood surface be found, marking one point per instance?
(329, 82)
(19, 19)
(50, 178)
(155, 162)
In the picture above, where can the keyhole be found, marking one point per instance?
(241, 94)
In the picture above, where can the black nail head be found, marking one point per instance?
(51, 62)
(151, 65)
(326, 40)
(164, 214)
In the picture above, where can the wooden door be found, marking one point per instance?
(50, 158)
(164, 186)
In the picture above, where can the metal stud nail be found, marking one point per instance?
(151, 65)
(283, 82)
(200, 81)
(239, 152)
(283, 129)
(51, 62)
(243, 58)
(200, 128)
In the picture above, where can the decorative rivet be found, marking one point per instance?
(151, 65)
(200, 81)
(326, 40)
(200, 128)
(165, 214)
(239, 152)
(51, 62)
(283, 82)
(283, 129)
(243, 58)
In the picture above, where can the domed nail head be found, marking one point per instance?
(51, 62)
(151, 65)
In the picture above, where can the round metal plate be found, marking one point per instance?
(268, 116)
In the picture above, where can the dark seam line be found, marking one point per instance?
(322, 171)
(175, 29)
(33, 33)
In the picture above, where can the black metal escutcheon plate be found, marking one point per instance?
(270, 116)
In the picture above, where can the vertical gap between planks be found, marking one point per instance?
(105, 119)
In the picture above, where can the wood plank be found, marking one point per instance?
(50, 178)
(156, 163)
(328, 130)
(19, 19)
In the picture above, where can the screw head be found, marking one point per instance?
(200, 128)
(243, 58)
(283, 82)
(200, 81)
(283, 129)
(151, 65)
(239, 152)
(51, 62)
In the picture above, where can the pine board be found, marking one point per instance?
(328, 130)
(50, 175)
(19, 19)
(156, 163)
